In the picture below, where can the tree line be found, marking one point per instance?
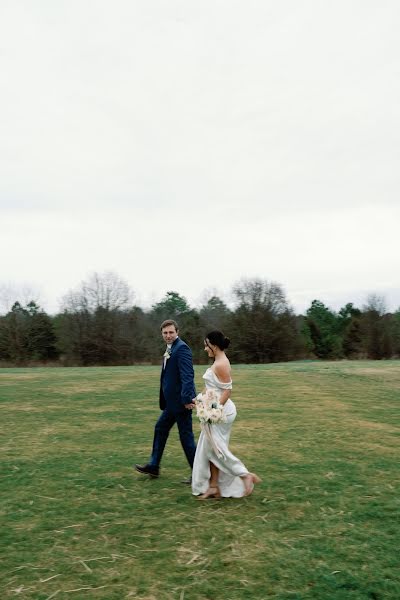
(99, 324)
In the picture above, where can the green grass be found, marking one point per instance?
(78, 523)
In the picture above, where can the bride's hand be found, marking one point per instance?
(190, 406)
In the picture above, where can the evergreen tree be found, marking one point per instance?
(349, 326)
(324, 331)
(41, 338)
(214, 314)
(27, 333)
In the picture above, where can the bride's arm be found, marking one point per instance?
(224, 375)
(225, 395)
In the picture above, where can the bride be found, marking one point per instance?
(216, 471)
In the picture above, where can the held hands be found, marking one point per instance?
(191, 404)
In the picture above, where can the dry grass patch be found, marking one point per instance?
(30, 408)
(374, 426)
(373, 370)
(96, 387)
(17, 376)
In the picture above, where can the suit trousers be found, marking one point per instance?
(163, 426)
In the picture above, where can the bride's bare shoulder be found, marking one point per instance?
(222, 369)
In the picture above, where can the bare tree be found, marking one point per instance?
(105, 290)
(263, 322)
(375, 334)
(256, 293)
(91, 327)
(376, 304)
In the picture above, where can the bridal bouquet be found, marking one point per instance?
(208, 408)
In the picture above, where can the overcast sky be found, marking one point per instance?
(185, 145)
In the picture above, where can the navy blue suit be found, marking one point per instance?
(176, 389)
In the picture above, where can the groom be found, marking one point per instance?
(176, 393)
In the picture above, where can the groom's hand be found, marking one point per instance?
(190, 406)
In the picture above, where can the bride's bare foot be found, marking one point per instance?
(249, 480)
(212, 492)
(248, 484)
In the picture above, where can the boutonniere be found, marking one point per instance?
(167, 354)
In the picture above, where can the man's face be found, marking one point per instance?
(169, 334)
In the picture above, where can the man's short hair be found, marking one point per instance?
(169, 322)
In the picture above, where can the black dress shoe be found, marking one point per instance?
(188, 480)
(148, 470)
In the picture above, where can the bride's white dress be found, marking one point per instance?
(231, 469)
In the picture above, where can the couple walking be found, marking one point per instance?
(216, 472)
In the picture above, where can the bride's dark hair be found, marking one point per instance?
(217, 338)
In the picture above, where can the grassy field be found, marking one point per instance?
(78, 523)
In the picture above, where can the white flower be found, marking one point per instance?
(208, 408)
(201, 413)
(215, 415)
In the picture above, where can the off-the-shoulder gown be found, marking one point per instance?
(213, 445)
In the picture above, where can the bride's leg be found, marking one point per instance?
(213, 489)
(214, 475)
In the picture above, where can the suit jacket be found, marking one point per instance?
(177, 379)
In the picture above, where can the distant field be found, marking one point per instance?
(78, 523)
